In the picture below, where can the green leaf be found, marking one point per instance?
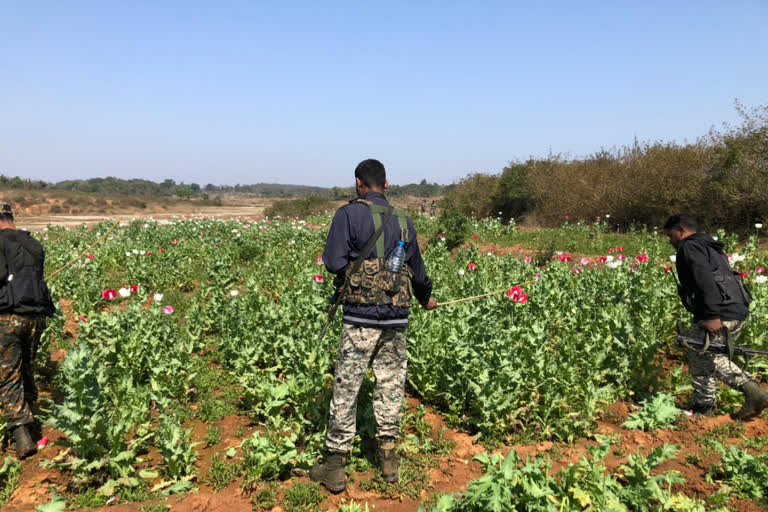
(57, 504)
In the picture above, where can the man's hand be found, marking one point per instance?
(431, 304)
(713, 326)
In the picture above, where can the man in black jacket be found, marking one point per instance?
(24, 303)
(376, 309)
(715, 294)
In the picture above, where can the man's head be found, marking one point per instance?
(370, 176)
(6, 213)
(679, 227)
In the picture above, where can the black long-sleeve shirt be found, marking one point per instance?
(698, 256)
(351, 228)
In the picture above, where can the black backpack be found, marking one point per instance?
(22, 288)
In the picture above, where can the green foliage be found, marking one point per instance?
(57, 503)
(659, 411)
(453, 229)
(303, 497)
(352, 506)
(155, 507)
(222, 472)
(9, 478)
(177, 450)
(212, 436)
(747, 474)
(512, 485)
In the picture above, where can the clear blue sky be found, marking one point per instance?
(299, 92)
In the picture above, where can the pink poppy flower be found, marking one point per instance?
(168, 310)
(474, 235)
(537, 276)
(318, 278)
(576, 270)
(319, 261)
(82, 318)
(567, 217)
(585, 261)
(109, 294)
(91, 256)
(760, 270)
(611, 250)
(633, 269)
(160, 249)
(471, 266)
(619, 256)
(528, 259)
(42, 442)
(175, 241)
(134, 288)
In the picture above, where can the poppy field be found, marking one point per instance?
(185, 359)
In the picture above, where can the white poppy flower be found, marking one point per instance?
(673, 258)
(461, 272)
(761, 279)
(234, 293)
(158, 297)
(124, 292)
(758, 225)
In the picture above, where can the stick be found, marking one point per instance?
(84, 251)
(476, 297)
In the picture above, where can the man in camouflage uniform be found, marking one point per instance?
(719, 302)
(376, 308)
(24, 303)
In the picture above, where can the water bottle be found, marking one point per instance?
(397, 258)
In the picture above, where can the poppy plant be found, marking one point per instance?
(528, 259)
(602, 259)
(619, 256)
(109, 294)
(168, 310)
(760, 270)
(471, 266)
(134, 288)
(642, 258)
(318, 278)
(516, 295)
(565, 258)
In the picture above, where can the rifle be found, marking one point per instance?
(720, 348)
(338, 298)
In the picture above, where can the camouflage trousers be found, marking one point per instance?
(19, 339)
(706, 366)
(385, 351)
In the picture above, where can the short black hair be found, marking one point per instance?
(372, 173)
(680, 220)
(6, 213)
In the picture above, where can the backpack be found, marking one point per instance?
(23, 290)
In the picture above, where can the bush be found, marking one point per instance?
(301, 207)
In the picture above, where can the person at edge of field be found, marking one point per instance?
(718, 300)
(25, 301)
(432, 208)
(374, 323)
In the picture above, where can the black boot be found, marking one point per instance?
(755, 400)
(703, 409)
(389, 462)
(24, 444)
(330, 472)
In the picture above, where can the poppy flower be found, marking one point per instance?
(523, 299)
(611, 250)
(743, 274)
(760, 270)
(602, 259)
(91, 256)
(157, 297)
(109, 294)
(642, 258)
(585, 261)
(667, 270)
(134, 288)
(565, 258)
(318, 278)
(471, 266)
(149, 253)
(576, 270)
(175, 241)
(619, 256)
(528, 259)
(42, 442)
(82, 318)
(319, 261)
(515, 293)
(633, 269)
(620, 248)
(474, 235)
(160, 249)
(168, 310)
(124, 292)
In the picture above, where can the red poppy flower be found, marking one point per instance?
(474, 235)
(611, 250)
(743, 274)
(760, 270)
(667, 270)
(523, 299)
(108, 294)
(576, 270)
(602, 259)
(134, 288)
(515, 293)
(471, 266)
(318, 278)
(149, 253)
(174, 241)
(82, 318)
(620, 248)
(642, 258)
(565, 257)
(160, 249)
(619, 256)
(91, 256)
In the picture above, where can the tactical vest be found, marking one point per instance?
(373, 284)
(23, 290)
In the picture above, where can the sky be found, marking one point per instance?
(299, 92)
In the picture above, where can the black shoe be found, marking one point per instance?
(703, 409)
(755, 400)
(24, 444)
(330, 472)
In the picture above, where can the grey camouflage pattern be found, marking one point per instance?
(19, 339)
(385, 350)
(705, 367)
